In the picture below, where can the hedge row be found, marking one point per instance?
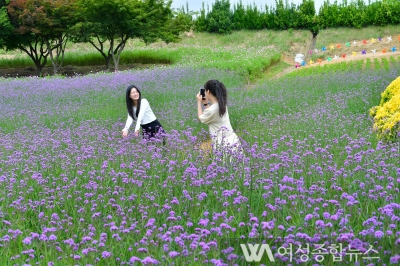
(224, 19)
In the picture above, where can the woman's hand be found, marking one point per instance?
(124, 134)
(136, 133)
(200, 101)
(199, 98)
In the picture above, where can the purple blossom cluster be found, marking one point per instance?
(74, 192)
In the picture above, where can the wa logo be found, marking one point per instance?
(256, 252)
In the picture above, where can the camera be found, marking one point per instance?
(203, 93)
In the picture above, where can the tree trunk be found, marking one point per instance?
(99, 48)
(116, 54)
(39, 69)
(116, 63)
(108, 60)
(54, 62)
(38, 55)
(59, 48)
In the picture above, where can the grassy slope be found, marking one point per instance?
(342, 35)
(253, 53)
(243, 51)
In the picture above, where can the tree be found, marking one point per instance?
(6, 29)
(201, 21)
(239, 16)
(253, 18)
(39, 28)
(183, 20)
(62, 14)
(307, 17)
(108, 24)
(279, 16)
(158, 19)
(220, 17)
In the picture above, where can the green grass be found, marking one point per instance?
(249, 53)
(273, 70)
(249, 62)
(344, 35)
(281, 40)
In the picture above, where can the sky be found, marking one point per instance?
(195, 5)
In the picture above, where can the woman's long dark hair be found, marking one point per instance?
(129, 101)
(218, 89)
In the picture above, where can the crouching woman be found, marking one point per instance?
(139, 109)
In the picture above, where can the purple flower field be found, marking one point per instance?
(74, 192)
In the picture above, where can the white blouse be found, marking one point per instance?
(220, 127)
(145, 116)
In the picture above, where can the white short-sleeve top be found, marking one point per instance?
(220, 127)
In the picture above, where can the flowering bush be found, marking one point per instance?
(387, 114)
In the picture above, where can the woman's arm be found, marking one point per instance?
(128, 124)
(199, 109)
(201, 102)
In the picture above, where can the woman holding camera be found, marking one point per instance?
(139, 109)
(216, 116)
